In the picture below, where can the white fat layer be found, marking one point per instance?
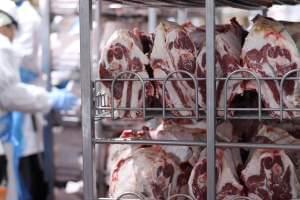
(139, 172)
(253, 168)
(257, 38)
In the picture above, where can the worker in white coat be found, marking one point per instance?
(27, 43)
(18, 96)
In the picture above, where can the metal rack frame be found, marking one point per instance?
(93, 106)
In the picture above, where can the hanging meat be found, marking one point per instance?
(149, 172)
(270, 175)
(269, 51)
(174, 50)
(229, 39)
(124, 52)
(228, 185)
(183, 48)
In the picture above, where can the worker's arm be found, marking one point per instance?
(16, 96)
(25, 98)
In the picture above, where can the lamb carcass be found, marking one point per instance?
(228, 185)
(124, 52)
(270, 51)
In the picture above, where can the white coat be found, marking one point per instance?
(14, 95)
(27, 43)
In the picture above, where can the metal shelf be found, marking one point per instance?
(95, 106)
(255, 4)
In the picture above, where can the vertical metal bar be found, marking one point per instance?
(100, 149)
(211, 97)
(47, 130)
(181, 15)
(152, 20)
(265, 12)
(85, 14)
(98, 29)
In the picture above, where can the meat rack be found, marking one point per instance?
(94, 106)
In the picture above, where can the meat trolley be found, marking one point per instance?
(94, 107)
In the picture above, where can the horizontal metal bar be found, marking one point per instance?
(243, 117)
(200, 109)
(198, 79)
(259, 146)
(194, 143)
(148, 142)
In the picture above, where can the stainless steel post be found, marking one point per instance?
(181, 15)
(211, 97)
(85, 14)
(46, 66)
(152, 20)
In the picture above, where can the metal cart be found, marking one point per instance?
(92, 111)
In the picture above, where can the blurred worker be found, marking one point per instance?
(27, 43)
(18, 96)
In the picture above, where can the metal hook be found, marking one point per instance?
(112, 91)
(258, 85)
(281, 89)
(196, 91)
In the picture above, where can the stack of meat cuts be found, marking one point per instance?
(270, 51)
(124, 52)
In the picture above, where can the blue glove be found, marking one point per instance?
(27, 76)
(62, 99)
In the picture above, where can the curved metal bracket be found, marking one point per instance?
(257, 83)
(138, 196)
(112, 91)
(196, 91)
(281, 89)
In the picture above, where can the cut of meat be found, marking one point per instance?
(268, 134)
(123, 53)
(117, 152)
(149, 172)
(269, 51)
(228, 185)
(229, 39)
(174, 50)
(183, 48)
(181, 131)
(270, 175)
